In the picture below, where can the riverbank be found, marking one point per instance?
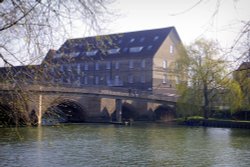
(200, 121)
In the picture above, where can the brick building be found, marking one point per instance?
(143, 60)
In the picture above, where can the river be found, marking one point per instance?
(113, 145)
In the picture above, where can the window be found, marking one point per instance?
(91, 53)
(85, 80)
(97, 80)
(171, 49)
(108, 81)
(156, 38)
(125, 49)
(69, 68)
(97, 66)
(74, 54)
(143, 78)
(164, 80)
(130, 79)
(117, 80)
(131, 64)
(132, 40)
(86, 67)
(62, 68)
(78, 69)
(78, 82)
(108, 65)
(135, 49)
(143, 63)
(164, 64)
(113, 51)
(120, 41)
(142, 39)
(117, 65)
(149, 47)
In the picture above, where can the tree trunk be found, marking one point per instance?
(206, 102)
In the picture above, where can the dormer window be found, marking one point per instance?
(120, 41)
(135, 49)
(74, 54)
(91, 53)
(156, 38)
(113, 51)
(149, 47)
(125, 49)
(132, 40)
(142, 39)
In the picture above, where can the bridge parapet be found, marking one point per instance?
(109, 92)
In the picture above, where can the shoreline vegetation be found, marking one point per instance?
(188, 121)
(212, 122)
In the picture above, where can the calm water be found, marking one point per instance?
(112, 145)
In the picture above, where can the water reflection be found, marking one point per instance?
(110, 145)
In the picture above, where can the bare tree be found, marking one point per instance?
(29, 28)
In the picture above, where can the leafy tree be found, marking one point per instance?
(208, 85)
(242, 77)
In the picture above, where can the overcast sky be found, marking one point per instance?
(190, 24)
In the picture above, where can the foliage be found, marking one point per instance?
(208, 85)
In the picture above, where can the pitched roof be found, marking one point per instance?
(135, 43)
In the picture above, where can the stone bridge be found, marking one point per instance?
(86, 104)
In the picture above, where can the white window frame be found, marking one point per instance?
(171, 49)
(86, 67)
(164, 64)
(78, 69)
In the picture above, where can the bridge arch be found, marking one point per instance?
(64, 111)
(129, 112)
(164, 113)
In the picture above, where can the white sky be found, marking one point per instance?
(193, 24)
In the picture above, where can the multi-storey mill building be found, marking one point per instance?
(143, 60)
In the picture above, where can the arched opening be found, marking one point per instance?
(164, 113)
(129, 113)
(64, 112)
(12, 116)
